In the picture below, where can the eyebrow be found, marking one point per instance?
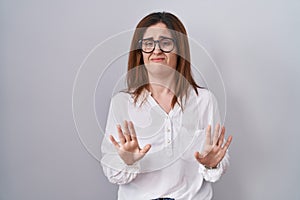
(160, 37)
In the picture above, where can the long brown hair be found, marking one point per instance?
(137, 78)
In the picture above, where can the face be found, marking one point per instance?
(158, 61)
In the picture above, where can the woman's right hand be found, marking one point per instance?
(128, 148)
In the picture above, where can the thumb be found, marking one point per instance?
(145, 149)
(198, 156)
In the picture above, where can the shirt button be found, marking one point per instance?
(169, 141)
(168, 130)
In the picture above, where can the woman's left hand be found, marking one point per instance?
(213, 151)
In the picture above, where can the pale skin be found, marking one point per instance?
(160, 79)
(128, 148)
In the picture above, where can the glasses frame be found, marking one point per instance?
(156, 42)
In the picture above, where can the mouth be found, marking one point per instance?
(157, 59)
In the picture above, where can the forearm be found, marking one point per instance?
(213, 175)
(117, 171)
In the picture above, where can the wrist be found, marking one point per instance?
(209, 167)
(133, 168)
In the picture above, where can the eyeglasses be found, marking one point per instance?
(165, 45)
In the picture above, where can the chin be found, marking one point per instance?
(159, 69)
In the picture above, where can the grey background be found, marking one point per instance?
(255, 44)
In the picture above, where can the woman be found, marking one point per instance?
(166, 120)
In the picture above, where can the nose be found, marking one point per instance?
(156, 48)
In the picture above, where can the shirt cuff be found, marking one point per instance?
(134, 168)
(114, 162)
(211, 175)
(118, 172)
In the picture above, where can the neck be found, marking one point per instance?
(159, 90)
(162, 87)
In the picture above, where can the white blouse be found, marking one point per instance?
(169, 169)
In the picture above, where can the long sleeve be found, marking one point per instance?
(117, 171)
(212, 118)
(114, 167)
(213, 175)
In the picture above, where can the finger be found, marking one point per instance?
(221, 138)
(132, 131)
(112, 139)
(120, 134)
(226, 145)
(126, 131)
(198, 156)
(216, 133)
(145, 149)
(208, 131)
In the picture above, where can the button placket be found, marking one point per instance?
(168, 136)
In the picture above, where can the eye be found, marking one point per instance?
(166, 42)
(148, 43)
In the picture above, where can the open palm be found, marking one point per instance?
(213, 151)
(128, 148)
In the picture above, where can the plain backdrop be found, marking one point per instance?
(255, 44)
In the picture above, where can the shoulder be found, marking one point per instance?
(121, 97)
(204, 95)
(129, 98)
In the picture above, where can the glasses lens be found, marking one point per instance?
(166, 44)
(148, 45)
